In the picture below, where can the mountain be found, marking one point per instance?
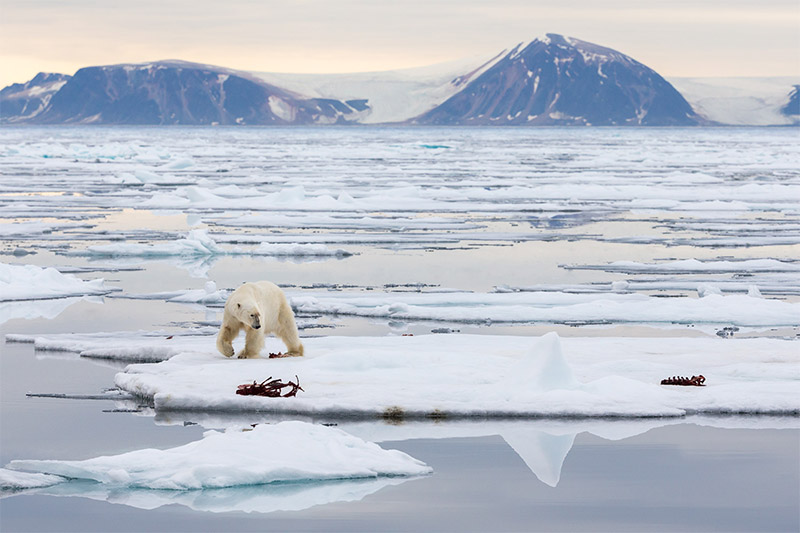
(23, 101)
(792, 107)
(559, 80)
(175, 92)
(553, 80)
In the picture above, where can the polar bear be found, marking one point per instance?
(258, 308)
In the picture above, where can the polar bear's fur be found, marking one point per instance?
(258, 308)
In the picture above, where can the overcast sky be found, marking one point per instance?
(674, 37)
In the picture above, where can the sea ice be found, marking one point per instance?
(31, 282)
(460, 375)
(16, 480)
(286, 452)
(553, 307)
(693, 266)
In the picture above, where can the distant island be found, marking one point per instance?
(549, 81)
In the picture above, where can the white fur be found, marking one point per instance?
(258, 308)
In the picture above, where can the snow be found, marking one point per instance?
(281, 108)
(393, 96)
(31, 282)
(286, 452)
(739, 101)
(14, 480)
(460, 375)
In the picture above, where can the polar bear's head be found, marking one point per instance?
(248, 313)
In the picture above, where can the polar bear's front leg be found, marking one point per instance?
(225, 340)
(254, 342)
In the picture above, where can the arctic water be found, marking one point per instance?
(657, 237)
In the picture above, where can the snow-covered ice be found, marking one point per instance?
(287, 452)
(520, 307)
(693, 266)
(16, 480)
(31, 282)
(461, 375)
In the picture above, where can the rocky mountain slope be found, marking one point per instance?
(563, 81)
(553, 80)
(171, 92)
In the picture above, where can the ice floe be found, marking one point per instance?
(31, 282)
(460, 375)
(553, 307)
(198, 243)
(693, 266)
(286, 452)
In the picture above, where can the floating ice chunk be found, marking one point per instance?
(704, 289)
(15, 480)
(179, 164)
(146, 176)
(286, 452)
(31, 282)
(196, 243)
(620, 286)
(753, 292)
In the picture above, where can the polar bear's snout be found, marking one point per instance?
(255, 321)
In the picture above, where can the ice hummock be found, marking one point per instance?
(287, 452)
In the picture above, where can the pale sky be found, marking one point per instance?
(674, 37)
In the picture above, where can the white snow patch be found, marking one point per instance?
(281, 108)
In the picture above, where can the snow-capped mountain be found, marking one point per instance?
(553, 80)
(792, 107)
(23, 101)
(559, 80)
(175, 92)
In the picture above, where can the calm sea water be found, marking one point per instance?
(715, 474)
